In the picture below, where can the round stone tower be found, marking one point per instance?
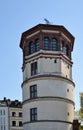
(47, 88)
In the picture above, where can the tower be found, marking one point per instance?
(47, 88)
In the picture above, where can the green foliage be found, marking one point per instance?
(81, 109)
(81, 100)
(81, 113)
(80, 127)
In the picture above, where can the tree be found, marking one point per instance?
(81, 108)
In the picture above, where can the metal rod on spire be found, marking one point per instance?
(47, 21)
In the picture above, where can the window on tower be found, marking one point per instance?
(54, 44)
(33, 91)
(46, 43)
(34, 46)
(33, 114)
(34, 68)
(65, 49)
(31, 48)
(37, 45)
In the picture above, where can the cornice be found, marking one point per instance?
(38, 121)
(46, 77)
(47, 98)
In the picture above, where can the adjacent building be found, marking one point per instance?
(10, 115)
(47, 87)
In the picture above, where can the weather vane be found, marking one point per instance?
(47, 21)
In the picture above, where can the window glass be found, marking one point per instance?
(54, 44)
(63, 48)
(20, 123)
(34, 68)
(33, 113)
(34, 46)
(37, 45)
(67, 50)
(31, 48)
(46, 43)
(4, 127)
(13, 114)
(1, 127)
(0, 112)
(3, 112)
(33, 91)
(20, 114)
(13, 123)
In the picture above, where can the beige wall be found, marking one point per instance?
(48, 66)
(55, 94)
(48, 126)
(15, 118)
(52, 87)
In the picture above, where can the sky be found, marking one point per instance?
(17, 16)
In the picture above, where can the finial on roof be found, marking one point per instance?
(47, 21)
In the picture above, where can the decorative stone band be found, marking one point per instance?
(59, 121)
(47, 76)
(48, 98)
(48, 54)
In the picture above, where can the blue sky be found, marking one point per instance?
(17, 16)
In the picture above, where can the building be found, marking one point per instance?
(79, 113)
(4, 120)
(47, 87)
(10, 115)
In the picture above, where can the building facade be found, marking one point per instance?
(4, 120)
(10, 115)
(48, 87)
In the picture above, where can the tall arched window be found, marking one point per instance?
(67, 50)
(37, 45)
(46, 43)
(54, 44)
(64, 47)
(31, 47)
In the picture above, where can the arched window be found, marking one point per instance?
(54, 44)
(63, 48)
(67, 50)
(46, 43)
(37, 45)
(31, 47)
